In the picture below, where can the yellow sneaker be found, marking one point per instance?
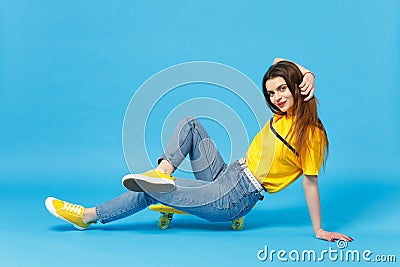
(67, 211)
(151, 181)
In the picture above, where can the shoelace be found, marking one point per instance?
(72, 208)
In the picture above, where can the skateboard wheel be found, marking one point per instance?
(170, 215)
(163, 223)
(238, 224)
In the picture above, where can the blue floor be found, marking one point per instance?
(369, 212)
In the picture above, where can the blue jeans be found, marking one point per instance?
(219, 193)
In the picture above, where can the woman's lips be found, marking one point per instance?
(281, 104)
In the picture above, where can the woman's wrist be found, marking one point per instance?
(318, 230)
(309, 72)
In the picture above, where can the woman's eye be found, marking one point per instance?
(283, 88)
(271, 94)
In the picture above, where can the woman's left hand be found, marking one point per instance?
(331, 236)
(307, 86)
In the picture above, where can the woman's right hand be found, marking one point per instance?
(307, 86)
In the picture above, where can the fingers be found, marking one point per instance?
(307, 87)
(308, 90)
(310, 95)
(338, 236)
(307, 81)
(331, 237)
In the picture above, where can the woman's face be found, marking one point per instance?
(279, 94)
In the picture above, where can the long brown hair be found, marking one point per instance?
(305, 113)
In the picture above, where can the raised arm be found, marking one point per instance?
(310, 185)
(307, 86)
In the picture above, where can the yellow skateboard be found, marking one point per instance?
(168, 212)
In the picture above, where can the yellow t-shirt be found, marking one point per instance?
(274, 165)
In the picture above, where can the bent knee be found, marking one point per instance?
(188, 119)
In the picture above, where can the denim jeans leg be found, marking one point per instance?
(228, 197)
(191, 138)
(123, 206)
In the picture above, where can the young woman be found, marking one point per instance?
(291, 144)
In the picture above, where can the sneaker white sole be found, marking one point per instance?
(128, 181)
(49, 206)
(140, 183)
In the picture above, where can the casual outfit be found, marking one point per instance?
(221, 192)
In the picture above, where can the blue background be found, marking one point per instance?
(68, 70)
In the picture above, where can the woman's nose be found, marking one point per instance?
(277, 97)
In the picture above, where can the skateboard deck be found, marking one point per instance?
(167, 214)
